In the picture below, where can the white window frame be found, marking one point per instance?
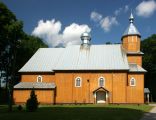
(39, 77)
(133, 80)
(76, 81)
(103, 81)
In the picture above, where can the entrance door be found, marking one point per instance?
(101, 97)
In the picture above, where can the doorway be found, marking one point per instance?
(100, 97)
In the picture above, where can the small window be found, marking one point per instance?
(132, 82)
(39, 78)
(78, 82)
(101, 82)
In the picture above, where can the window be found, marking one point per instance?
(78, 82)
(132, 82)
(39, 78)
(101, 82)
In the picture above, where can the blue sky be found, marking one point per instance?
(64, 20)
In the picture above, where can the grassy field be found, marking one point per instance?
(77, 112)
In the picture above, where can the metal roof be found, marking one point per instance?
(43, 60)
(135, 53)
(36, 85)
(78, 57)
(94, 57)
(146, 90)
(136, 68)
(131, 30)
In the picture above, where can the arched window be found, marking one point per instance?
(101, 82)
(132, 82)
(78, 82)
(39, 78)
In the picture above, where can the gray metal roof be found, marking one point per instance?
(95, 57)
(146, 90)
(43, 60)
(77, 57)
(134, 53)
(131, 30)
(36, 85)
(136, 68)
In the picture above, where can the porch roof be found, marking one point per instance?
(100, 89)
(35, 85)
(146, 90)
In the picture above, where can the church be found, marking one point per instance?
(86, 73)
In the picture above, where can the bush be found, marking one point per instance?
(20, 108)
(32, 102)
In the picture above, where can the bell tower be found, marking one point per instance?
(131, 43)
(131, 37)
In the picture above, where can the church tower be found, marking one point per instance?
(131, 43)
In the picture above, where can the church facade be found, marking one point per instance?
(86, 73)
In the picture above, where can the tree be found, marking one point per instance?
(32, 102)
(16, 47)
(148, 47)
(10, 32)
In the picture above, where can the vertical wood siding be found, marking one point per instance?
(135, 59)
(43, 96)
(66, 92)
(131, 43)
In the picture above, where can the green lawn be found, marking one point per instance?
(77, 112)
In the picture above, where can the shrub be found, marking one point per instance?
(19, 107)
(32, 102)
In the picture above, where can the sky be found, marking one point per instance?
(61, 22)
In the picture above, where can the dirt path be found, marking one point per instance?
(151, 115)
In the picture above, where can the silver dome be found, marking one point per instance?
(131, 30)
(85, 35)
(86, 38)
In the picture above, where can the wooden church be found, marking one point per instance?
(86, 73)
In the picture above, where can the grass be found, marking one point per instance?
(77, 112)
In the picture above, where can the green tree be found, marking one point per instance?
(32, 102)
(16, 47)
(10, 32)
(148, 47)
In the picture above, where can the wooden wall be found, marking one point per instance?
(131, 43)
(32, 77)
(66, 92)
(135, 94)
(43, 96)
(119, 88)
(135, 59)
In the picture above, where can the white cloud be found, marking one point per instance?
(118, 11)
(95, 16)
(121, 9)
(50, 30)
(146, 8)
(72, 33)
(108, 22)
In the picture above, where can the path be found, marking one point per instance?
(151, 115)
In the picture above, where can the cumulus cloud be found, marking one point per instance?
(108, 22)
(71, 34)
(146, 8)
(95, 16)
(50, 32)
